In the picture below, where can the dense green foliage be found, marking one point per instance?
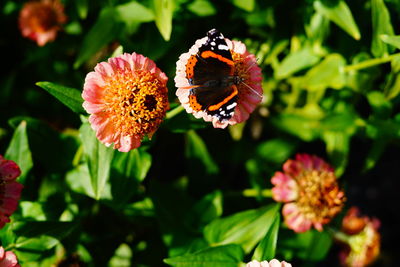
(192, 195)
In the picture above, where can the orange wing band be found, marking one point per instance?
(190, 66)
(226, 100)
(207, 54)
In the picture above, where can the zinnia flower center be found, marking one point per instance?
(136, 102)
(43, 18)
(319, 196)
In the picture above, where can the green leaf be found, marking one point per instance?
(301, 126)
(295, 62)
(221, 256)
(19, 152)
(32, 210)
(202, 8)
(276, 150)
(79, 180)
(164, 10)
(245, 228)
(70, 97)
(99, 159)
(380, 25)
(392, 88)
(327, 74)
(82, 6)
(196, 149)
(311, 245)
(34, 238)
(128, 170)
(134, 11)
(205, 210)
(392, 40)
(122, 256)
(267, 247)
(106, 28)
(381, 107)
(247, 5)
(339, 13)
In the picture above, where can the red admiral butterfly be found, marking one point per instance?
(210, 73)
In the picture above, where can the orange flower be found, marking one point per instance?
(127, 98)
(360, 239)
(41, 20)
(309, 188)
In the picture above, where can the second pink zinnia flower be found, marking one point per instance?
(310, 190)
(127, 98)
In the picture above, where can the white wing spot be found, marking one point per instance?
(213, 43)
(231, 106)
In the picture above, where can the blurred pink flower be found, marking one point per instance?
(272, 263)
(10, 190)
(8, 258)
(310, 190)
(41, 20)
(361, 239)
(249, 89)
(127, 98)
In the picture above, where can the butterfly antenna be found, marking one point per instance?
(251, 89)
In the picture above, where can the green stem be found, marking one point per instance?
(370, 63)
(174, 112)
(256, 193)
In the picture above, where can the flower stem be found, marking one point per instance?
(174, 112)
(370, 63)
(256, 193)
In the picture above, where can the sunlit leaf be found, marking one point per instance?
(339, 13)
(244, 228)
(99, 159)
(267, 247)
(19, 151)
(247, 5)
(122, 257)
(82, 6)
(295, 62)
(70, 97)
(380, 25)
(202, 8)
(221, 256)
(392, 40)
(327, 74)
(163, 11)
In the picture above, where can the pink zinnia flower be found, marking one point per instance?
(8, 258)
(127, 98)
(360, 239)
(41, 20)
(310, 190)
(10, 190)
(249, 88)
(272, 263)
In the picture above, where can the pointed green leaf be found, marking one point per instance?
(392, 40)
(295, 62)
(245, 228)
(19, 152)
(202, 8)
(380, 25)
(99, 159)
(134, 12)
(339, 13)
(221, 256)
(82, 6)
(267, 247)
(70, 97)
(197, 149)
(327, 74)
(247, 5)
(106, 28)
(163, 11)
